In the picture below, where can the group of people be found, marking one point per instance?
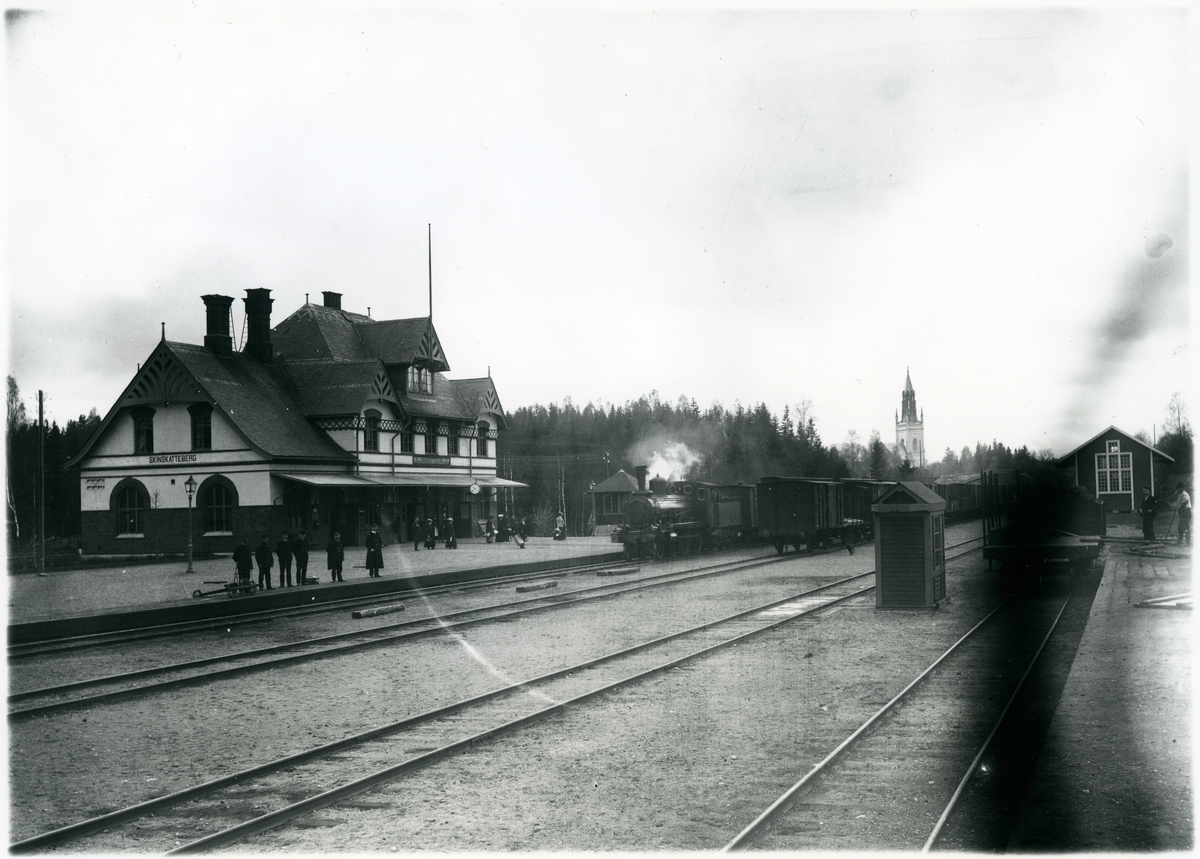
(507, 528)
(428, 532)
(289, 549)
(1181, 502)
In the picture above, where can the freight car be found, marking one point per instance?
(802, 511)
(686, 517)
(858, 496)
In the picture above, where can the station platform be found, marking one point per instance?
(76, 595)
(1115, 771)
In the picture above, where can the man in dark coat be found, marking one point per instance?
(262, 554)
(1149, 510)
(300, 552)
(243, 560)
(418, 534)
(335, 553)
(374, 552)
(284, 550)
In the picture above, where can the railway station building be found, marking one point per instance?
(329, 421)
(1114, 466)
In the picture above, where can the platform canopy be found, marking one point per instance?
(345, 480)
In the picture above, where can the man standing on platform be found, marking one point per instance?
(262, 554)
(335, 554)
(284, 550)
(300, 551)
(418, 533)
(1183, 506)
(374, 552)
(243, 561)
(1148, 510)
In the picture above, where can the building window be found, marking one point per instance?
(371, 433)
(1114, 472)
(201, 426)
(611, 503)
(431, 442)
(406, 441)
(143, 430)
(420, 380)
(481, 448)
(131, 511)
(452, 441)
(217, 504)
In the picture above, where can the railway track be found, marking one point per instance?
(222, 812)
(33, 649)
(45, 700)
(86, 692)
(896, 780)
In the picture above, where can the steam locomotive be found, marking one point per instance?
(686, 517)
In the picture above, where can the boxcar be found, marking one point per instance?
(859, 495)
(800, 511)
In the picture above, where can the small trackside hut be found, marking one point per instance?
(910, 547)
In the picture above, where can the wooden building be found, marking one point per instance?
(330, 421)
(1114, 467)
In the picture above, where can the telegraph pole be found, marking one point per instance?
(41, 483)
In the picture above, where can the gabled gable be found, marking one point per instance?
(1068, 459)
(327, 389)
(479, 396)
(622, 481)
(404, 341)
(257, 399)
(316, 333)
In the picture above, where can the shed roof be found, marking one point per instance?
(1067, 459)
(622, 481)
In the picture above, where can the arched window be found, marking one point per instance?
(371, 433)
(201, 426)
(481, 445)
(217, 502)
(131, 509)
(143, 429)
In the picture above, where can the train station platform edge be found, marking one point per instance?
(78, 594)
(1115, 771)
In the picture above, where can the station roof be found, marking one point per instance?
(622, 481)
(1068, 459)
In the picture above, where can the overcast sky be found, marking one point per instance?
(768, 206)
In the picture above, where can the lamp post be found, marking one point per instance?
(190, 486)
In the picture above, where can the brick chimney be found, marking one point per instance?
(333, 299)
(258, 324)
(217, 338)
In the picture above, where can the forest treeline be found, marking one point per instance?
(560, 451)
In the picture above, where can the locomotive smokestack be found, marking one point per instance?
(641, 477)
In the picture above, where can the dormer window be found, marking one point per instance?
(420, 380)
(371, 433)
(143, 430)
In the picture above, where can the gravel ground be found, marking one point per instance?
(74, 765)
(680, 762)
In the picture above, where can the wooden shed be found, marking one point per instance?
(910, 547)
(1114, 467)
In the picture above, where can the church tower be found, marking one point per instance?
(910, 430)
